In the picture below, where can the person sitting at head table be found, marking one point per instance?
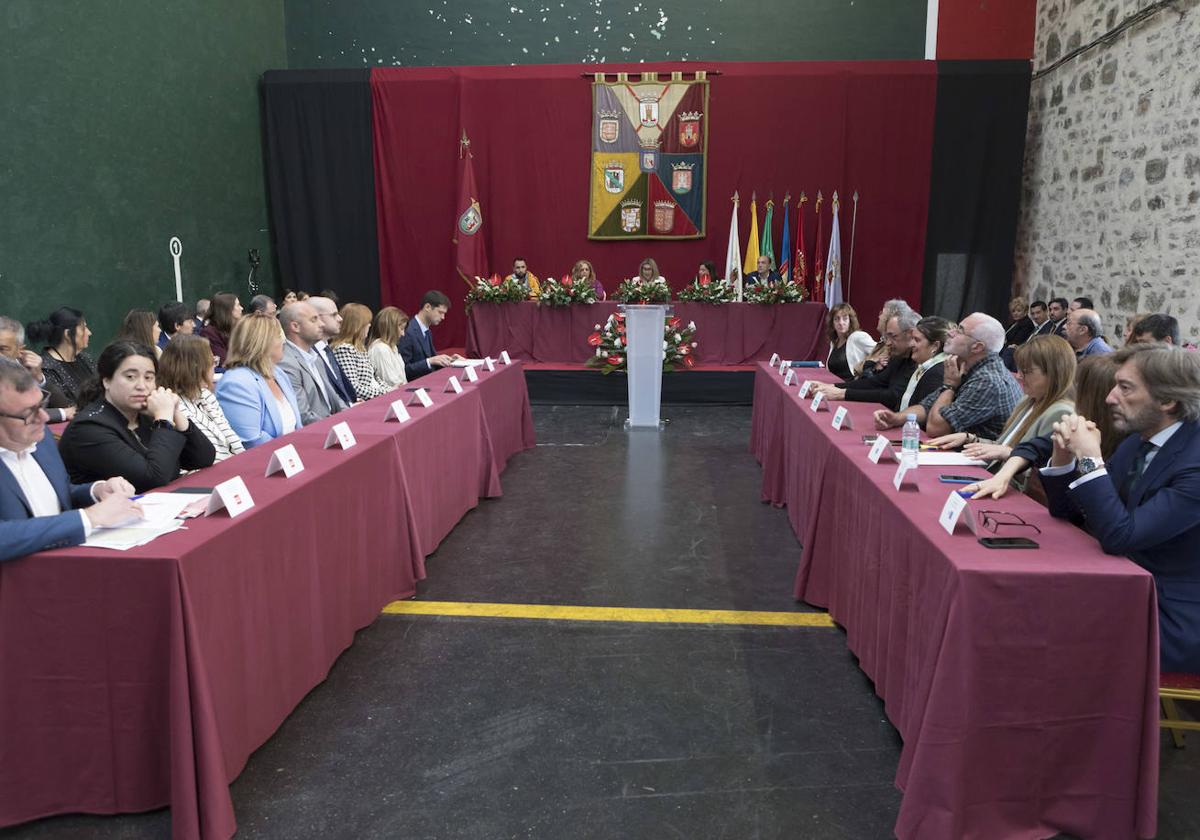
(887, 385)
(131, 427)
(522, 276)
(12, 346)
(977, 394)
(1144, 502)
(1084, 332)
(309, 376)
(223, 313)
(1046, 370)
(1155, 329)
(201, 318)
(174, 318)
(64, 338)
(39, 506)
(263, 305)
(848, 344)
(416, 347)
(1080, 303)
(186, 367)
(648, 271)
(141, 327)
(255, 393)
(707, 270)
(387, 328)
(583, 271)
(350, 352)
(331, 326)
(765, 273)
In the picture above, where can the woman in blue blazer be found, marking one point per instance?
(254, 393)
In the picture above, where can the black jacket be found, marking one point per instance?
(99, 444)
(885, 386)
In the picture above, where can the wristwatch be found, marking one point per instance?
(163, 424)
(1088, 465)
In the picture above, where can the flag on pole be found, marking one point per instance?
(833, 264)
(785, 250)
(767, 249)
(800, 264)
(750, 266)
(470, 260)
(818, 272)
(733, 254)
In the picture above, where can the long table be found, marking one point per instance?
(133, 680)
(728, 334)
(1024, 683)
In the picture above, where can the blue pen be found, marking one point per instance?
(134, 498)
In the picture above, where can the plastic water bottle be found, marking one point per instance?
(910, 439)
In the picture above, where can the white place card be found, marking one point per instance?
(805, 388)
(904, 474)
(397, 411)
(882, 448)
(782, 366)
(954, 511)
(818, 403)
(230, 495)
(472, 376)
(504, 358)
(489, 364)
(452, 384)
(420, 397)
(340, 435)
(774, 359)
(789, 376)
(285, 459)
(842, 419)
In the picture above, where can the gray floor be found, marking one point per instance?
(479, 728)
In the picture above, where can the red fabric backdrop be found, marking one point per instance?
(775, 126)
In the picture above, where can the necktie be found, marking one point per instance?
(1136, 469)
(429, 342)
(336, 377)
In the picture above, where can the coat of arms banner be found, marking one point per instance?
(649, 154)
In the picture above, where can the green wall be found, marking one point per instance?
(335, 33)
(123, 124)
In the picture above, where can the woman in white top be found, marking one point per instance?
(848, 344)
(186, 367)
(255, 393)
(350, 350)
(386, 331)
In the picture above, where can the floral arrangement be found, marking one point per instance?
(637, 290)
(679, 345)
(706, 289)
(782, 291)
(494, 290)
(567, 291)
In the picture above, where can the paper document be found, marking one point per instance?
(123, 539)
(465, 363)
(947, 459)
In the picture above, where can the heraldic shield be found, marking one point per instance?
(649, 149)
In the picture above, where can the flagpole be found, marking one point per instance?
(853, 228)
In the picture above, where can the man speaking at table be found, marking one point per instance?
(1145, 502)
(39, 507)
(416, 347)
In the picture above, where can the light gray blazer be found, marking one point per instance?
(310, 394)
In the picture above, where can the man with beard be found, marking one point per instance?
(524, 277)
(1145, 502)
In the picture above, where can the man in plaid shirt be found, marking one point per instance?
(978, 393)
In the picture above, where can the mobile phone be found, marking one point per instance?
(958, 479)
(869, 438)
(1007, 542)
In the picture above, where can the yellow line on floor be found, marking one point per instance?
(626, 614)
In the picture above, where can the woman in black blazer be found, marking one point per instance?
(130, 427)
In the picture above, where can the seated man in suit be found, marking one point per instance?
(526, 278)
(885, 385)
(765, 274)
(1145, 502)
(315, 394)
(416, 347)
(39, 507)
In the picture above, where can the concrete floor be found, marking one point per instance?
(434, 727)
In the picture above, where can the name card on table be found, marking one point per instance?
(904, 475)
(783, 365)
(818, 403)
(954, 511)
(774, 359)
(880, 448)
(285, 459)
(489, 364)
(504, 359)
(452, 384)
(230, 495)
(420, 397)
(340, 435)
(472, 376)
(842, 419)
(789, 376)
(397, 411)
(805, 388)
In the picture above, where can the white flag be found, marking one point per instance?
(733, 256)
(833, 264)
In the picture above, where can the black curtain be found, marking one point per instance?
(975, 187)
(321, 181)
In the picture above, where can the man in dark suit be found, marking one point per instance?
(765, 273)
(331, 326)
(416, 347)
(1145, 502)
(39, 507)
(1059, 309)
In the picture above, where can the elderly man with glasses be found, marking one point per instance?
(39, 507)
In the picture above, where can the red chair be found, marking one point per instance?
(1172, 687)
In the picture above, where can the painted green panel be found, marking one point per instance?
(125, 124)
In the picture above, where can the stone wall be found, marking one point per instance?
(1112, 164)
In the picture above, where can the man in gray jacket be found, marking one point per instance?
(315, 394)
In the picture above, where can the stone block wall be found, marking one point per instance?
(1111, 193)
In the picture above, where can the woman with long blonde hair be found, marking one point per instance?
(383, 342)
(255, 394)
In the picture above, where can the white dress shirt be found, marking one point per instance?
(32, 480)
(1159, 440)
(315, 365)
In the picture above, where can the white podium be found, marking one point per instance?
(644, 329)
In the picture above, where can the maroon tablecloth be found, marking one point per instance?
(1024, 683)
(730, 334)
(133, 680)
